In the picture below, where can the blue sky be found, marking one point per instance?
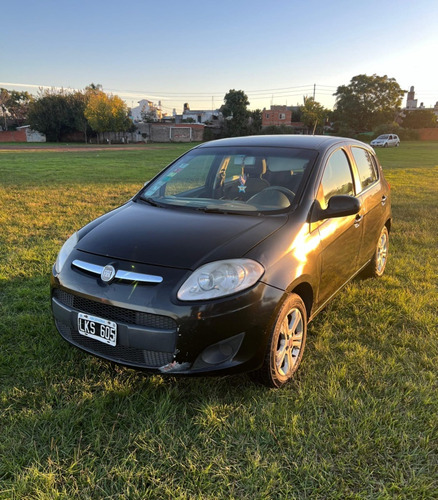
(195, 51)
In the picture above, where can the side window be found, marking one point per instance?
(337, 178)
(365, 166)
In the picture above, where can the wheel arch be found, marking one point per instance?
(305, 291)
(388, 225)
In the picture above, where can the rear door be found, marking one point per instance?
(373, 196)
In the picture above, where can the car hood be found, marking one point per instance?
(172, 237)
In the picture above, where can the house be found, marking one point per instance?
(288, 116)
(425, 134)
(277, 115)
(146, 111)
(209, 117)
(412, 103)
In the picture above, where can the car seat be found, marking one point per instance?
(251, 183)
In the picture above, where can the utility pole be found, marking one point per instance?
(314, 90)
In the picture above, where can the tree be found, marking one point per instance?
(255, 122)
(107, 113)
(55, 113)
(150, 116)
(235, 112)
(368, 101)
(4, 98)
(78, 102)
(420, 118)
(93, 88)
(313, 114)
(14, 106)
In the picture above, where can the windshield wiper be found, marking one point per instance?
(150, 201)
(215, 210)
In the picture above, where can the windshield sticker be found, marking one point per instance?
(160, 183)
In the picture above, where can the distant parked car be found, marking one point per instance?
(386, 141)
(217, 265)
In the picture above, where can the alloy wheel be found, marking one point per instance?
(290, 341)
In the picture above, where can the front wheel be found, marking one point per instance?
(286, 344)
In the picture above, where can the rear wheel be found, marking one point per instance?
(286, 344)
(377, 266)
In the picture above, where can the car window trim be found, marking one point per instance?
(352, 165)
(376, 170)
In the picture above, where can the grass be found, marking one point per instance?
(359, 421)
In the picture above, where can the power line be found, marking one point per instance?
(272, 94)
(186, 94)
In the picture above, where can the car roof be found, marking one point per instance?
(315, 142)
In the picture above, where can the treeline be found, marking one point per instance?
(368, 104)
(57, 113)
(373, 104)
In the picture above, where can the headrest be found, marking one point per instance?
(256, 170)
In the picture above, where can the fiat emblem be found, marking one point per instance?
(108, 273)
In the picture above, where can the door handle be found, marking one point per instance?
(357, 220)
(384, 198)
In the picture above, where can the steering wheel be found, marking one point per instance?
(290, 195)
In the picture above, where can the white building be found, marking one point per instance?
(32, 135)
(145, 107)
(412, 103)
(201, 116)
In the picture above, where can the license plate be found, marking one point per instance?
(96, 328)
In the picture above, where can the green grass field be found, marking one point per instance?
(359, 421)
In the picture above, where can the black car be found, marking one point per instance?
(217, 265)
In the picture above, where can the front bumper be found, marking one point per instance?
(157, 332)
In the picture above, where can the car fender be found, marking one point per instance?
(299, 264)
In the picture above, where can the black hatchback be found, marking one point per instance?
(217, 265)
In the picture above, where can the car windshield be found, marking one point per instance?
(386, 136)
(238, 179)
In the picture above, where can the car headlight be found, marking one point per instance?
(65, 251)
(220, 278)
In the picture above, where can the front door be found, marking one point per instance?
(341, 236)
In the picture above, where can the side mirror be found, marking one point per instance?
(338, 206)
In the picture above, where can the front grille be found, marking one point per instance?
(113, 313)
(152, 359)
(119, 353)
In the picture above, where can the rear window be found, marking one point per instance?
(365, 166)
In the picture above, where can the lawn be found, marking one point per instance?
(359, 421)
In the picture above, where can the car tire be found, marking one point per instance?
(377, 265)
(286, 344)
(385, 145)
(397, 145)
